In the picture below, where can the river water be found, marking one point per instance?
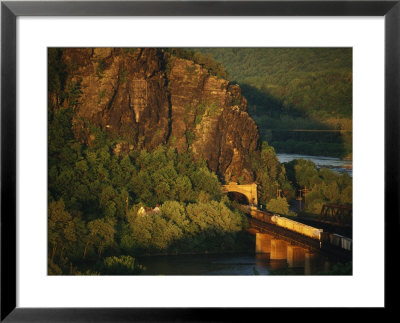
(336, 164)
(228, 264)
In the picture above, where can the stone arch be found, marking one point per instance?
(239, 197)
(248, 190)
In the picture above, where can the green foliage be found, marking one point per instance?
(189, 137)
(56, 72)
(121, 265)
(101, 234)
(270, 175)
(278, 205)
(197, 112)
(278, 183)
(176, 227)
(213, 108)
(306, 173)
(61, 228)
(101, 65)
(310, 79)
(325, 186)
(197, 120)
(59, 133)
(73, 93)
(102, 94)
(200, 109)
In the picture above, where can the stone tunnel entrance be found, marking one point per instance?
(247, 192)
(238, 197)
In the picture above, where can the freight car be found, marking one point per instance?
(340, 241)
(297, 227)
(261, 216)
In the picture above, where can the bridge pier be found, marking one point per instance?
(327, 265)
(295, 256)
(278, 249)
(309, 260)
(263, 243)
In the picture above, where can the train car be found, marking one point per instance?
(335, 240)
(262, 216)
(266, 218)
(297, 227)
(341, 241)
(346, 243)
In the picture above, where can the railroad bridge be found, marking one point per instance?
(336, 213)
(279, 242)
(282, 243)
(248, 190)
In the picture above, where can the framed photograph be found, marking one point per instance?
(162, 159)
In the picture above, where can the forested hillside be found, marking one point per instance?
(139, 143)
(136, 169)
(292, 89)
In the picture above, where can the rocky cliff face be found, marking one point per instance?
(150, 98)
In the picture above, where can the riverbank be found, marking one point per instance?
(336, 164)
(188, 253)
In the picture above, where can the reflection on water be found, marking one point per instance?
(227, 264)
(336, 164)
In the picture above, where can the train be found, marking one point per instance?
(340, 241)
(306, 230)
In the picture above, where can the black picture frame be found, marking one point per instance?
(10, 10)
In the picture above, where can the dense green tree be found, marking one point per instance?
(270, 175)
(175, 213)
(278, 205)
(324, 186)
(61, 228)
(101, 235)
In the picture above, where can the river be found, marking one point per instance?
(228, 264)
(336, 164)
